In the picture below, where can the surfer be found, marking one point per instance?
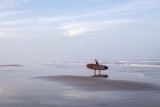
(97, 65)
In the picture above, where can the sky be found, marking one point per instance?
(79, 30)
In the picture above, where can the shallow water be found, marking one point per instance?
(19, 88)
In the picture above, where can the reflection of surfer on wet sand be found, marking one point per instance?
(97, 67)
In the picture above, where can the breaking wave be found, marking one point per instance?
(135, 63)
(109, 63)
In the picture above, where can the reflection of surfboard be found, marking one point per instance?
(97, 67)
(101, 76)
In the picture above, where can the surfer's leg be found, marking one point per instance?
(95, 72)
(99, 72)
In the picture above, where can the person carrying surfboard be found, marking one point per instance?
(97, 66)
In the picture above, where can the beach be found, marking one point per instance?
(69, 85)
(50, 49)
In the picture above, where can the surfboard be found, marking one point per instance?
(97, 67)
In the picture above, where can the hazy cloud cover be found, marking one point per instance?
(46, 30)
(84, 27)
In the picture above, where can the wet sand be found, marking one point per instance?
(100, 84)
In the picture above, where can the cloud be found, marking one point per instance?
(1, 35)
(10, 3)
(136, 5)
(129, 7)
(125, 7)
(57, 18)
(85, 27)
(82, 24)
(11, 13)
(13, 22)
